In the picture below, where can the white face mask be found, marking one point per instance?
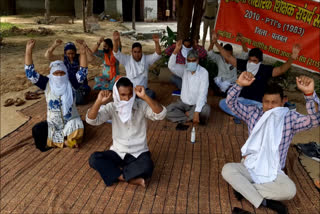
(253, 67)
(192, 66)
(185, 51)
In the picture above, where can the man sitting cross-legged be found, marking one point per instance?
(195, 83)
(128, 158)
(263, 73)
(259, 177)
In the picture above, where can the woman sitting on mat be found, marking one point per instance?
(63, 126)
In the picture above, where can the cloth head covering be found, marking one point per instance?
(253, 67)
(185, 51)
(111, 61)
(70, 46)
(136, 68)
(61, 86)
(124, 108)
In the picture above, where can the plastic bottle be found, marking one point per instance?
(193, 135)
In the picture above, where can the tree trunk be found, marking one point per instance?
(184, 14)
(89, 7)
(133, 14)
(196, 19)
(84, 17)
(47, 13)
(185, 18)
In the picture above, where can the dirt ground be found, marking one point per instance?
(12, 76)
(14, 83)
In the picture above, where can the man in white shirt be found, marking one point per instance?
(195, 82)
(227, 73)
(137, 65)
(128, 158)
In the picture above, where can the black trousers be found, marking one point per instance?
(110, 166)
(40, 135)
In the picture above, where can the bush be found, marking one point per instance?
(5, 28)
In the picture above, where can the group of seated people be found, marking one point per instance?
(128, 102)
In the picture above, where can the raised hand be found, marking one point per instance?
(295, 51)
(104, 97)
(215, 36)
(140, 91)
(305, 84)
(245, 79)
(178, 47)
(58, 42)
(30, 44)
(80, 41)
(82, 46)
(155, 38)
(116, 36)
(240, 37)
(101, 39)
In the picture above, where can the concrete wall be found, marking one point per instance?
(113, 8)
(150, 10)
(57, 7)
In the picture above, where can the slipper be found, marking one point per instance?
(8, 102)
(19, 102)
(317, 183)
(237, 210)
(31, 96)
(38, 92)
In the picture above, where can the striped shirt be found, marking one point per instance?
(294, 122)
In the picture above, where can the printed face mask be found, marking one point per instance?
(192, 66)
(253, 67)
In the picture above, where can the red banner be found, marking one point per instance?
(274, 26)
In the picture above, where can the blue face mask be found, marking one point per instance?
(192, 66)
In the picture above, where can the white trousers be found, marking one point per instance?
(237, 175)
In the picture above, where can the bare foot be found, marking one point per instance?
(120, 178)
(138, 181)
(66, 143)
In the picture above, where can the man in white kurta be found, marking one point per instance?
(137, 64)
(128, 158)
(195, 82)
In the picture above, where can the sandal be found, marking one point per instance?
(38, 92)
(9, 102)
(31, 96)
(19, 102)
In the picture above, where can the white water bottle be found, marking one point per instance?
(193, 135)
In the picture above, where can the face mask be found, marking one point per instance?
(253, 67)
(185, 51)
(59, 84)
(106, 50)
(192, 66)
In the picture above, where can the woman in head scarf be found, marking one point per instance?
(110, 71)
(71, 61)
(63, 126)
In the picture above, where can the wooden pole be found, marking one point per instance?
(47, 8)
(84, 15)
(133, 14)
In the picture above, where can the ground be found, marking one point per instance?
(14, 83)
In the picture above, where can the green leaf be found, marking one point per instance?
(170, 32)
